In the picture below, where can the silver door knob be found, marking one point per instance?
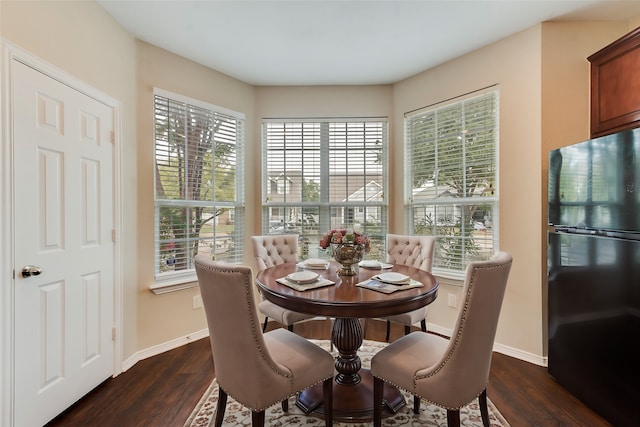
(30, 270)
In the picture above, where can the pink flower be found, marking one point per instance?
(342, 235)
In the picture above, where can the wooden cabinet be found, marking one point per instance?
(615, 86)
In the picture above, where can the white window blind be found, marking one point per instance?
(335, 175)
(452, 178)
(199, 200)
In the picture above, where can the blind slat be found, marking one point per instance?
(452, 178)
(321, 174)
(199, 192)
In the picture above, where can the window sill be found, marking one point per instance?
(449, 278)
(175, 284)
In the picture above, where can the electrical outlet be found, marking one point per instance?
(197, 302)
(452, 300)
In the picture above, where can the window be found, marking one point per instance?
(282, 184)
(334, 172)
(451, 179)
(199, 200)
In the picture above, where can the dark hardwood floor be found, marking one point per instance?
(162, 390)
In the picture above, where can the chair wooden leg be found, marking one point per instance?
(407, 330)
(388, 330)
(285, 405)
(222, 404)
(378, 388)
(257, 419)
(453, 418)
(484, 410)
(423, 325)
(416, 404)
(327, 400)
(264, 327)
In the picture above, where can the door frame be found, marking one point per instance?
(11, 52)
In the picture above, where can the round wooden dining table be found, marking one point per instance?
(347, 304)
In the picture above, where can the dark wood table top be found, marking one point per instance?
(345, 299)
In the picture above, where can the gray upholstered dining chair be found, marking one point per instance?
(414, 251)
(450, 373)
(273, 250)
(258, 370)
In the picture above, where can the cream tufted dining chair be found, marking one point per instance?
(449, 373)
(414, 251)
(258, 370)
(273, 250)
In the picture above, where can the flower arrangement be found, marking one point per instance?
(343, 235)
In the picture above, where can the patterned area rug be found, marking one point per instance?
(430, 415)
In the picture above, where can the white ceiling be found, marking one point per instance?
(340, 42)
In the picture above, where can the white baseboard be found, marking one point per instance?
(497, 347)
(175, 343)
(438, 329)
(161, 348)
(521, 355)
(170, 345)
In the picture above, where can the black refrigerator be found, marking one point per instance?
(594, 273)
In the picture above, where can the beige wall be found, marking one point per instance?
(81, 39)
(543, 78)
(162, 318)
(566, 99)
(514, 65)
(543, 82)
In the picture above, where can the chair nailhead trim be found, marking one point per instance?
(413, 393)
(250, 302)
(455, 342)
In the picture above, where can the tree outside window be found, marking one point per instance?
(452, 150)
(198, 188)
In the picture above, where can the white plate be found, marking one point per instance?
(315, 263)
(303, 277)
(370, 263)
(392, 277)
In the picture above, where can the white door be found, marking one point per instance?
(63, 193)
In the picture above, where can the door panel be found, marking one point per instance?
(63, 187)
